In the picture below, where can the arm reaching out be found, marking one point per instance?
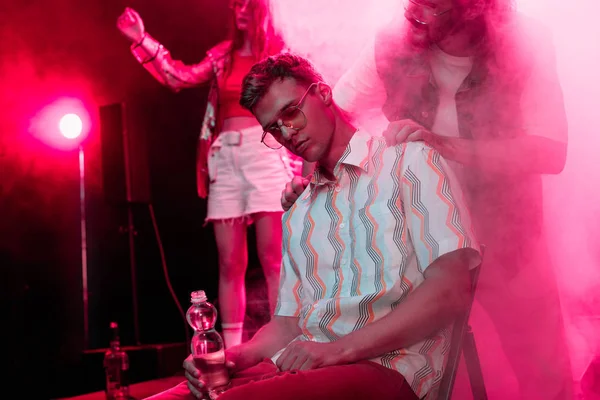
(529, 154)
(157, 60)
(542, 147)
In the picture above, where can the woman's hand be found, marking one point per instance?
(131, 25)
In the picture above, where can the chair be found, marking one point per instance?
(463, 341)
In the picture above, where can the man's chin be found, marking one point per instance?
(308, 155)
(419, 38)
(420, 43)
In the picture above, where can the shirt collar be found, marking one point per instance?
(356, 153)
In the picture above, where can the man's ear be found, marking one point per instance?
(325, 93)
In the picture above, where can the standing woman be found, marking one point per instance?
(240, 174)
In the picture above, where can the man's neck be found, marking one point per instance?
(344, 131)
(464, 42)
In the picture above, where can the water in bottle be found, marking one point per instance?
(208, 349)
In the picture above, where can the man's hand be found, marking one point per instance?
(194, 379)
(293, 190)
(192, 375)
(310, 355)
(407, 130)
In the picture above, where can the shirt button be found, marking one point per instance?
(342, 225)
(338, 188)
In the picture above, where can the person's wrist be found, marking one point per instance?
(252, 353)
(344, 351)
(243, 356)
(434, 140)
(139, 43)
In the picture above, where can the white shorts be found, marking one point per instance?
(245, 176)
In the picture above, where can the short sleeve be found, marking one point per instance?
(437, 218)
(360, 89)
(289, 300)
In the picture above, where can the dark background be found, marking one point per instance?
(50, 49)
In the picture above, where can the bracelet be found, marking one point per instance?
(140, 42)
(153, 57)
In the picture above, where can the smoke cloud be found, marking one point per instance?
(332, 35)
(572, 207)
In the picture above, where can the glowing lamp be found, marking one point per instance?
(70, 126)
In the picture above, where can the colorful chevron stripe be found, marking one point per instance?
(356, 247)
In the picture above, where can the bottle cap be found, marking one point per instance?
(198, 296)
(114, 328)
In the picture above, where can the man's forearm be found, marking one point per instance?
(527, 154)
(431, 307)
(271, 338)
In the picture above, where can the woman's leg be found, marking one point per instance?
(230, 236)
(268, 246)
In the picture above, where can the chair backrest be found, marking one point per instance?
(459, 329)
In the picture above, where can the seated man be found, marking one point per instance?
(376, 257)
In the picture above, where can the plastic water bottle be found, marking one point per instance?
(208, 349)
(116, 367)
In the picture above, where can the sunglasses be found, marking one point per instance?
(413, 8)
(291, 117)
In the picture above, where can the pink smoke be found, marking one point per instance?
(332, 33)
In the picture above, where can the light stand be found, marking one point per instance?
(84, 266)
(131, 232)
(116, 149)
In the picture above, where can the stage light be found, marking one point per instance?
(62, 124)
(70, 126)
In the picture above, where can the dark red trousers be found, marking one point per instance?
(361, 381)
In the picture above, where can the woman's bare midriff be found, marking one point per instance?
(238, 123)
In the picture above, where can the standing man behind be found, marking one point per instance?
(478, 83)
